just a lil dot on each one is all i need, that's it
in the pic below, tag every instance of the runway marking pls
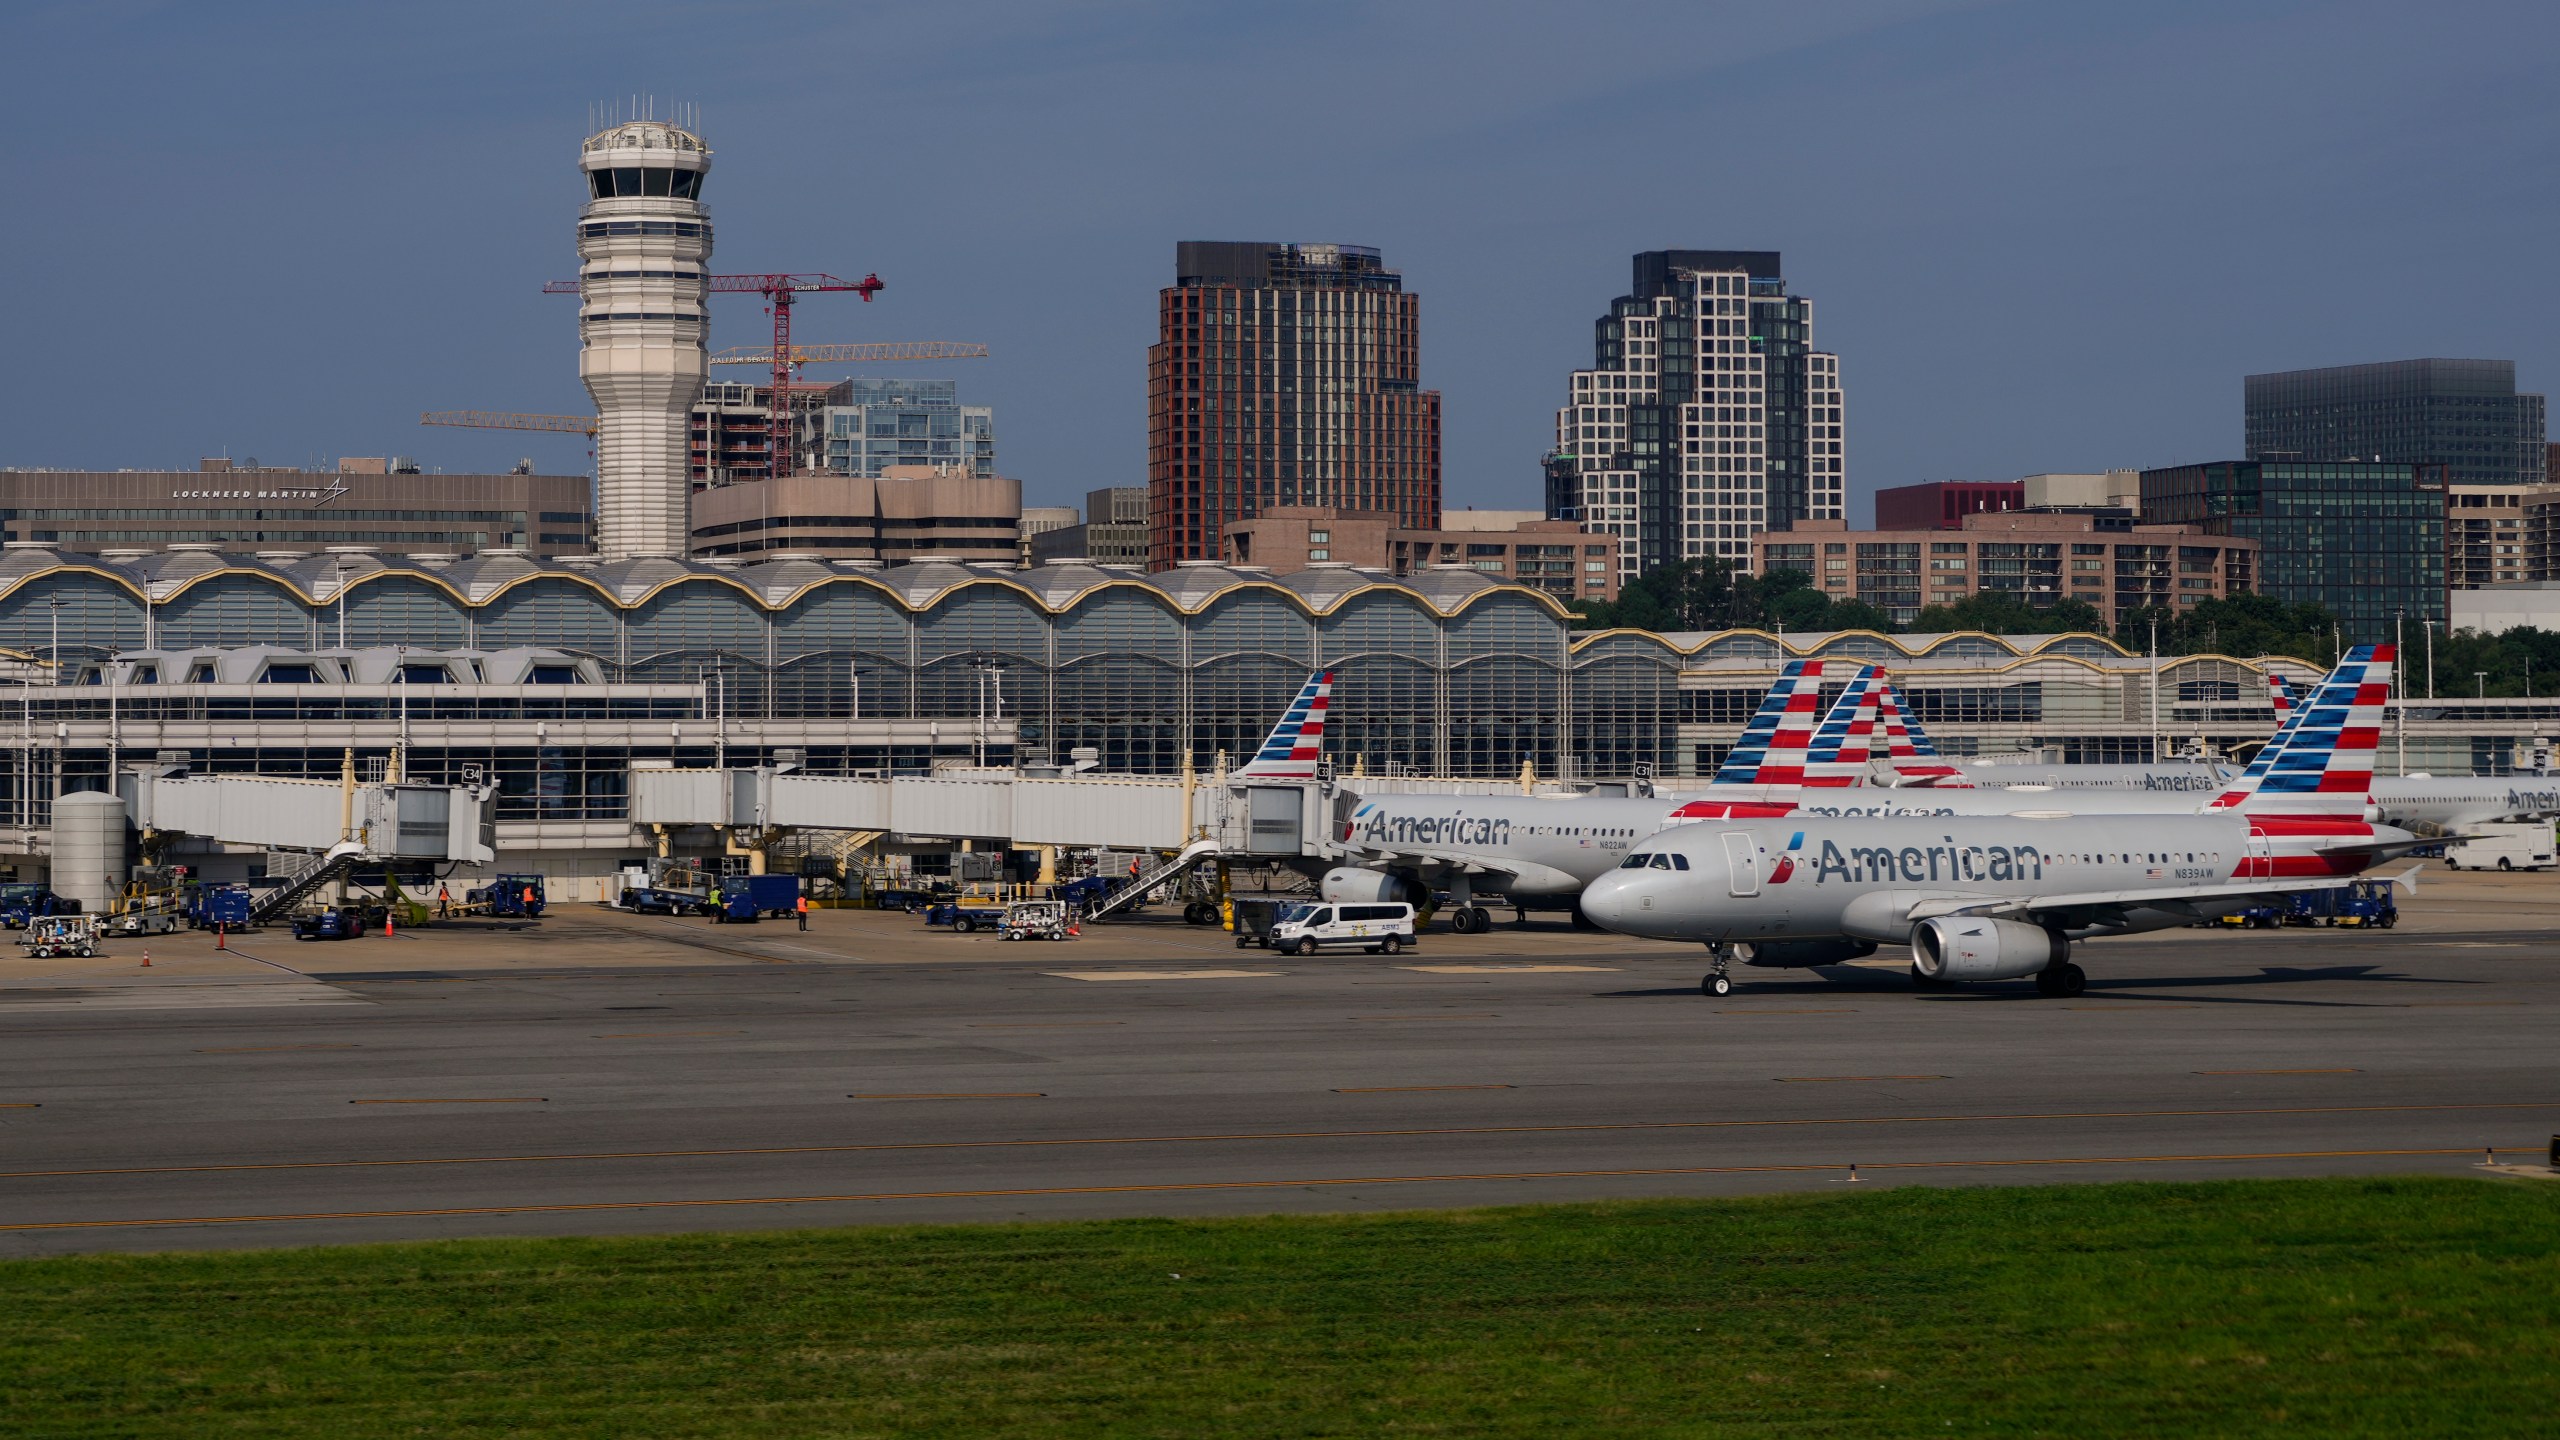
(1510, 969)
(880, 1147)
(1427, 1017)
(667, 1034)
(179, 995)
(465, 1100)
(2325, 1070)
(23, 1105)
(2142, 1009)
(266, 1049)
(1042, 1024)
(1200, 1186)
(2450, 1004)
(1402, 1089)
(1786, 1012)
(1163, 974)
(962, 1095)
(1837, 1079)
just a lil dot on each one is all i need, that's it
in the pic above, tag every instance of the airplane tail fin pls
(1773, 746)
(1908, 755)
(1844, 740)
(2280, 691)
(2321, 761)
(1297, 741)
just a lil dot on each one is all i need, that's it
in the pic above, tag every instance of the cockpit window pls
(1637, 861)
(1662, 862)
(1679, 861)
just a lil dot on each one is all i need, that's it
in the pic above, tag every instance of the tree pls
(1691, 595)
(2002, 612)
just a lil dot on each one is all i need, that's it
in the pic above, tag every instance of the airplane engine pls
(1960, 947)
(1356, 886)
(1798, 954)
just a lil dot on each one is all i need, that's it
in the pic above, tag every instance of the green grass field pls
(2387, 1307)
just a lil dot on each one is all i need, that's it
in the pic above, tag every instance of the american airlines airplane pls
(1544, 848)
(2002, 897)
(2429, 804)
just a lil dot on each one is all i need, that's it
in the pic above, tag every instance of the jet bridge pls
(384, 821)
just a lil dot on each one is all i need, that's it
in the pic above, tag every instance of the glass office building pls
(2364, 540)
(2462, 414)
(873, 424)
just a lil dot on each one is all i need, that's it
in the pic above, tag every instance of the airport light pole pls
(2431, 656)
(2154, 707)
(2400, 699)
(2480, 680)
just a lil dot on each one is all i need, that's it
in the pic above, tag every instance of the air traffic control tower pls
(644, 243)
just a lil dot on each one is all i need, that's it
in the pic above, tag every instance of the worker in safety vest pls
(803, 907)
(718, 911)
(528, 899)
(444, 901)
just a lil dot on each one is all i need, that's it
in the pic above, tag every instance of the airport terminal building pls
(558, 678)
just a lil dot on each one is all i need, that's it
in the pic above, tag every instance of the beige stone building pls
(909, 512)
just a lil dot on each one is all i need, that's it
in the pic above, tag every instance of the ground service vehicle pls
(51, 936)
(220, 907)
(2504, 845)
(506, 895)
(745, 899)
(2366, 904)
(965, 915)
(1381, 928)
(2251, 917)
(1034, 920)
(335, 923)
(20, 904)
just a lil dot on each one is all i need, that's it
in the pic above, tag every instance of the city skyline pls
(206, 224)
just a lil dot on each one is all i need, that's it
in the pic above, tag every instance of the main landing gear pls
(1717, 983)
(1470, 920)
(2061, 980)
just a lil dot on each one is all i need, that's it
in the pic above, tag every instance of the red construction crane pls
(778, 291)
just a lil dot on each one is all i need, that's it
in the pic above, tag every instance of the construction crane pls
(511, 420)
(892, 351)
(778, 292)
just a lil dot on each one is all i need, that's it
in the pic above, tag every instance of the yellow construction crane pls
(895, 351)
(510, 420)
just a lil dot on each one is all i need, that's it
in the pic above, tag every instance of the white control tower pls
(644, 244)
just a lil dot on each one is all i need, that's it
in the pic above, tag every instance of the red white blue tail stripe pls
(1838, 754)
(1298, 740)
(2280, 691)
(1772, 748)
(2321, 761)
(1907, 751)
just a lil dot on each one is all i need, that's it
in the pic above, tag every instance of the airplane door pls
(2261, 851)
(1741, 863)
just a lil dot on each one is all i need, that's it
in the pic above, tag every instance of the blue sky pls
(2042, 236)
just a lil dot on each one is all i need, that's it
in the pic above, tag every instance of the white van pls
(2505, 845)
(1381, 929)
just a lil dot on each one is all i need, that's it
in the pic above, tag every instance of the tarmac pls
(602, 1073)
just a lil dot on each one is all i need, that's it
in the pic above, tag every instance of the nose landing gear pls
(1717, 984)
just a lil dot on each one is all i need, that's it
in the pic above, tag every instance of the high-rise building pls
(2464, 415)
(1707, 416)
(2364, 539)
(1113, 531)
(1284, 375)
(644, 245)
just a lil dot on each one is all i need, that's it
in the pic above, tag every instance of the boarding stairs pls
(1151, 879)
(325, 867)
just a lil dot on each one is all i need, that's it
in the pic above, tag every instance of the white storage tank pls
(88, 849)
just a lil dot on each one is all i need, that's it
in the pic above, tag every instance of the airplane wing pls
(2097, 902)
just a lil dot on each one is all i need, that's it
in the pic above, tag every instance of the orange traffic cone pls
(146, 959)
(221, 937)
